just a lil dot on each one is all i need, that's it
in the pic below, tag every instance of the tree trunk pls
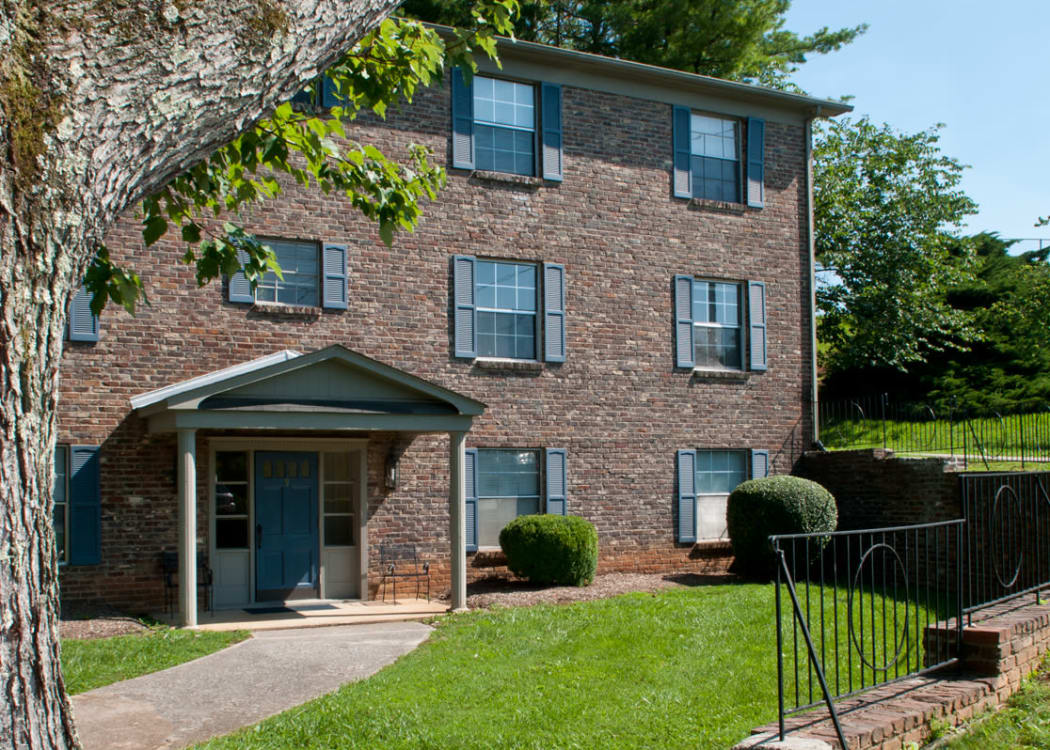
(102, 103)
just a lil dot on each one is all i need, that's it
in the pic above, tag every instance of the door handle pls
(258, 536)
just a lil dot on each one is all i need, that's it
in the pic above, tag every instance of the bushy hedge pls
(551, 549)
(775, 505)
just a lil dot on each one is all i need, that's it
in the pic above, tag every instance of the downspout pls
(814, 406)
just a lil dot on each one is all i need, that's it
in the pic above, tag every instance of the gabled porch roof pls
(328, 389)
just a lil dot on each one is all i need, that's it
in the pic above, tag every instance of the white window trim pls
(742, 304)
(319, 276)
(64, 560)
(541, 498)
(537, 314)
(320, 445)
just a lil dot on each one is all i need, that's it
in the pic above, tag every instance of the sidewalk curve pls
(243, 684)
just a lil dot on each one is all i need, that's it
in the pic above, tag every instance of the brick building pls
(607, 312)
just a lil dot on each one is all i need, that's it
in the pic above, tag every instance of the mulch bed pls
(504, 592)
(97, 621)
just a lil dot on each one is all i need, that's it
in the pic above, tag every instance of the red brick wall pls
(617, 404)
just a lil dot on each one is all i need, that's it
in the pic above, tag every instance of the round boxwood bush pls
(775, 505)
(551, 549)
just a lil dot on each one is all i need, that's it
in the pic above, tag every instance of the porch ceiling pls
(328, 389)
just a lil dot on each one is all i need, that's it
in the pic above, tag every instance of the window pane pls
(502, 102)
(61, 456)
(231, 499)
(59, 522)
(338, 498)
(719, 472)
(231, 466)
(339, 531)
(718, 347)
(299, 266)
(337, 467)
(231, 533)
(493, 515)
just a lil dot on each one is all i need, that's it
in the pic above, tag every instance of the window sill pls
(737, 375)
(279, 309)
(720, 207)
(516, 365)
(507, 178)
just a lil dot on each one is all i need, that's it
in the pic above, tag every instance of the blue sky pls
(980, 68)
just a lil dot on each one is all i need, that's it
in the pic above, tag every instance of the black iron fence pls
(1006, 553)
(986, 439)
(862, 607)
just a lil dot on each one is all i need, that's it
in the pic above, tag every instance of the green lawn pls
(687, 668)
(1011, 436)
(1023, 723)
(88, 664)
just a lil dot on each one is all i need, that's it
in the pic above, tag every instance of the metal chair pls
(398, 561)
(170, 568)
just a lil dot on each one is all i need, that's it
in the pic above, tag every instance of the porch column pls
(187, 527)
(457, 517)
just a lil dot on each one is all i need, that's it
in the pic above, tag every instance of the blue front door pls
(285, 525)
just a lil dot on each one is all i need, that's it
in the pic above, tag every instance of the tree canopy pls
(885, 204)
(311, 144)
(742, 41)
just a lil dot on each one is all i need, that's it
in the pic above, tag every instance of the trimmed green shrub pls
(551, 549)
(775, 505)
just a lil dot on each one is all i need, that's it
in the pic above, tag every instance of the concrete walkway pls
(273, 671)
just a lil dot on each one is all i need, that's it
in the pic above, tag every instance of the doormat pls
(280, 610)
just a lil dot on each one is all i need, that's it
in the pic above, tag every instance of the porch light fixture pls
(390, 471)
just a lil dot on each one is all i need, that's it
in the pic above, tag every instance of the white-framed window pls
(714, 161)
(504, 126)
(508, 486)
(299, 262)
(60, 514)
(231, 500)
(506, 295)
(718, 472)
(718, 323)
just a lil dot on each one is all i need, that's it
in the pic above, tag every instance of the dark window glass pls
(338, 531)
(231, 533)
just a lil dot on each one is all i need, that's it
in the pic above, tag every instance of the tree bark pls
(102, 103)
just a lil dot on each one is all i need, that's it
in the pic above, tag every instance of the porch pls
(320, 613)
(285, 440)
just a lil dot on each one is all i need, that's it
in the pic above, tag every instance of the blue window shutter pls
(240, 290)
(686, 496)
(465, 314)
(329, 97)
(759, 464)
(552, 141)
(557, 485)
(756, 170)
(684, 348)
(683, 187)
(470, 479)
(756, 316)
(553, 312)
(81, 324)
(334, 295)
(462, 121)
(85, 506)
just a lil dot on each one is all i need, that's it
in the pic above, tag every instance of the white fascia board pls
(162, 394)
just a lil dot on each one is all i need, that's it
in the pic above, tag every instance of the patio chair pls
(401, 561)
(170, 568)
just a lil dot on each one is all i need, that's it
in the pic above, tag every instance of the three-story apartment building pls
(607, 312)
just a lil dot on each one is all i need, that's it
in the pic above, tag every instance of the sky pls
(981, 68)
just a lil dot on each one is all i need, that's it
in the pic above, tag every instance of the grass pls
(686, 668)
(1009, 437)
(89, 664)
(1023, 723)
